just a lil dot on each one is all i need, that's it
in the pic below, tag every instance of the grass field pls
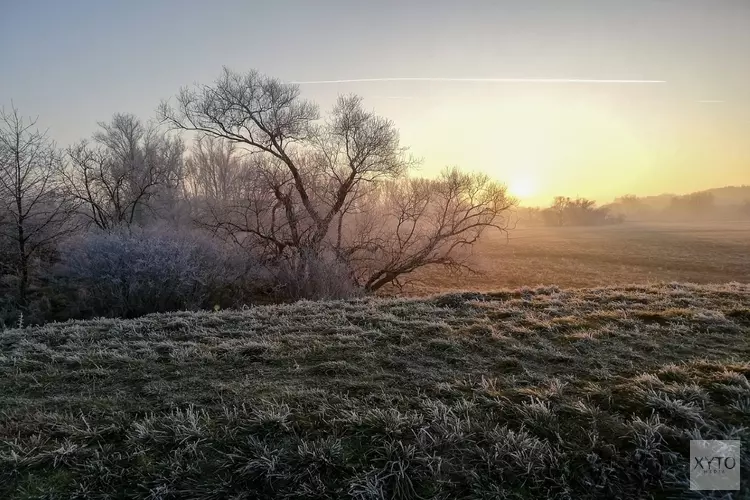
(708, 252)
(534, 393)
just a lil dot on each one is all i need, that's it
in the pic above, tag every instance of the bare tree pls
(310, 167)
(557, 210)
(119, 178)
(34, 211)
(214, 170)
(307, 182)
(419, 222)
(582, 211)
(566, 211)
(629, 201)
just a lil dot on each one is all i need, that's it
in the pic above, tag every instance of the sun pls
(522, 187)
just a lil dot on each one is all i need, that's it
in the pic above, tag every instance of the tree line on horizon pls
(268, 200)
(566, 211)
(697, 206)
(700, 205)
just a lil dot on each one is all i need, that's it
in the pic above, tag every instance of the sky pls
(590, 98)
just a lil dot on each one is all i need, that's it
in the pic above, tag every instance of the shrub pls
(134, 271)
(130, 272)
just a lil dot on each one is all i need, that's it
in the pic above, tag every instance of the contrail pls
(392, 97)
(475, 80)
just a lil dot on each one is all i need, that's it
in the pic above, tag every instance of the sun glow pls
(522, 187)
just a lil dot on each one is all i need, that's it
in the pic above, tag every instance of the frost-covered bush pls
(133, 271)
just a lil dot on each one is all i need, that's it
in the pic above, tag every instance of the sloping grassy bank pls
(531, 393)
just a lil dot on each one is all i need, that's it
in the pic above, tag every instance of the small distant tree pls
(580, 211)
(34, 213)
(629, 201)
(126, 173)
(556, 211)
(565, 211)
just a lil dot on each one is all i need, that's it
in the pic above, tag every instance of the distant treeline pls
(730, 203)
(566, 211)
(724, 203)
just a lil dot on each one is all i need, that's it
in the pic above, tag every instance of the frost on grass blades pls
(540, 392)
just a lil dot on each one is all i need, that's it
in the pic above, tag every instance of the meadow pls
(633, 252)
(540, 392)
(319, 285)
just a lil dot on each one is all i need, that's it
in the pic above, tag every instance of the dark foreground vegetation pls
(533, 393)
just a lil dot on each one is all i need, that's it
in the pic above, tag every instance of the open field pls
(708, 252)
(536, 393)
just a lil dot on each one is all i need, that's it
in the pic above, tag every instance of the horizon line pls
(475, 80)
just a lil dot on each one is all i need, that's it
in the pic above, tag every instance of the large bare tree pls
(128, 172)
(306, 163)
(34, 213)
(308, 181)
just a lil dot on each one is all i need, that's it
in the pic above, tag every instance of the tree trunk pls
(23, 283)
(375, 283)
(22, 256)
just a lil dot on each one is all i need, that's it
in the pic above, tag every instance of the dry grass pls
(534, 393)
(715, 252)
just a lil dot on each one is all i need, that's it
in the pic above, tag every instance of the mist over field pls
(382, 250)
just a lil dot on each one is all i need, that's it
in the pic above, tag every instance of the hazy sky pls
(74, 63)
